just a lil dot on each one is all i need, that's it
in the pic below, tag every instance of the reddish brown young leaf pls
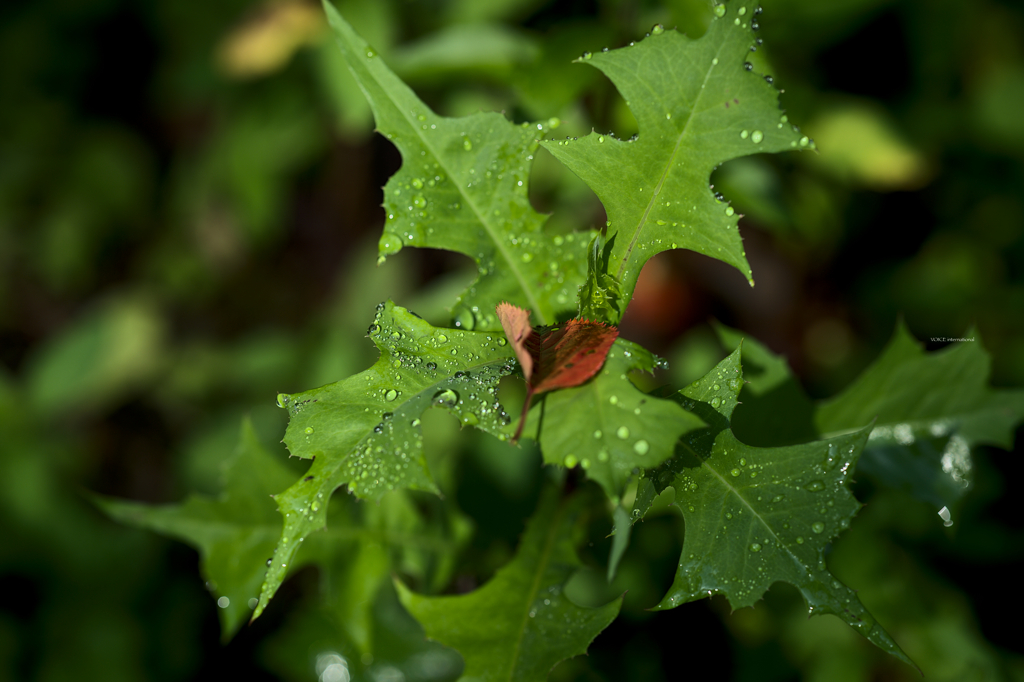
(569, 355)
(516, 323)
(554, 357)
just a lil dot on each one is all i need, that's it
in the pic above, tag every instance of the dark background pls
(189, 206)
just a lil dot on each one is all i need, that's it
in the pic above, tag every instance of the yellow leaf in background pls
(263, 42)
(861, 145)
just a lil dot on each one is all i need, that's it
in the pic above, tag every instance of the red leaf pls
(516, 323)
(555, 357)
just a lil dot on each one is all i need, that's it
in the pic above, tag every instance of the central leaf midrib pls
(542, 563)
(499, 244)
(753, 511)
(664, 175)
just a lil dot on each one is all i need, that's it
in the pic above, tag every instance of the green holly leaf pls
(755, 516)
(520, 624)
(696, 106)
(364, 432)
(929, 410)
(775, 409)
(608, 426)
(234, 533)
(463, 187)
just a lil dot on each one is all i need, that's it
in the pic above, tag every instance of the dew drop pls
(735, 472)
(309, 430)
(570, 461)
(815, 486)
(756, 137)
(464, 319)
(641, 447)
(466, 144)
(799, 540)
(818, 526)
(719, 10)
(389, 244)
(744, 134)
(755, 547)
(622, 432)
(715, 402)
(613, 400)
(446, 397)
(391, 395)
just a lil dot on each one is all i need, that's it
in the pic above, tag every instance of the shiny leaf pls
(463, 187)
(608, 426)
(364, 432)
(755, 516)
(697, 106)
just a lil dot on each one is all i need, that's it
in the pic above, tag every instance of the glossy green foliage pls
(929, 411)
(364, 432)
(182, 247)
(463, 186)
(697, 106)
(520, 624)
(755, 516)
(608, 426)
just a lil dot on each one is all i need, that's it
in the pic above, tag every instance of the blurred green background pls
(189, 207)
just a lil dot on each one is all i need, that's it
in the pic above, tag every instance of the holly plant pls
(758, 508)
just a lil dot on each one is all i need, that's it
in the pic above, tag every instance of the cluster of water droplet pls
(420, 367)
(627, 438)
